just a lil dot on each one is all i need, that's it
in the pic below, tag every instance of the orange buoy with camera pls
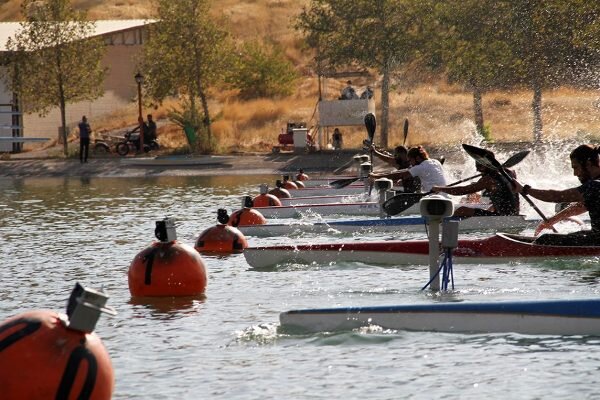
(265, 199)
(50, 355)
(247, 215)
(221, 238)
(287, 184)
(301, 175)
(167, 267)
(279, 191)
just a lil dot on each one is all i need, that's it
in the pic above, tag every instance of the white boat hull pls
(367, 208)
(400, 224)
(362, 208)
(540, 317)
(328, 191)
(332, 199)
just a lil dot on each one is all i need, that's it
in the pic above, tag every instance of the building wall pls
(119, 86)
(5, 116)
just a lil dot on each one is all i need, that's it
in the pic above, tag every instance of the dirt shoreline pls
(247, 164)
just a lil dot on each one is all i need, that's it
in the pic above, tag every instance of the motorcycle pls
(131, 142)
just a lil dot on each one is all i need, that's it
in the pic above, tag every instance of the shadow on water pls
(169, 307)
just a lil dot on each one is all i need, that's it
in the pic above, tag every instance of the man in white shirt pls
(428, 170)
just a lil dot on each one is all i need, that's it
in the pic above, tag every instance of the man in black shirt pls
(585, 162)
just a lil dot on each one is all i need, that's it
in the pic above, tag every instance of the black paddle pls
(405, 131)
(370, 124)
(403, 201)
(484, 157)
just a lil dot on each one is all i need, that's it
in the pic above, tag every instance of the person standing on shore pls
(85, 132)
(150, 133)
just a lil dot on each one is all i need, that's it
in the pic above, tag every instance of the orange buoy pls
(266, 200)
(301, 175)
(280, 192)
(221, 238)
(287, 184)
(247, 215)
(44, 355)
(167, 268)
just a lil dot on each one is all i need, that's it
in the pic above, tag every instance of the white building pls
(124, 40)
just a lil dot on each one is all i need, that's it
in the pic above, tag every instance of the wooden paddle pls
(405, 131)
(370, 124)
(484, 157)
(403, 201)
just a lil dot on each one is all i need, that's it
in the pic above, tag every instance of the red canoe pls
(498, 249)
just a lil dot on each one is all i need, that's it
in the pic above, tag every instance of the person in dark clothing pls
(497, 187)
(150, 132)
(85, 131)
(585, 162)
(399, 160)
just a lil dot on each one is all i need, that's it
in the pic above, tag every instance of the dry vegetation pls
(438, 113)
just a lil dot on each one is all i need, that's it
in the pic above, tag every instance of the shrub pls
(263, 71)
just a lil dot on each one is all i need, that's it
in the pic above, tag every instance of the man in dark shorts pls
(586, 167)
(497, 187)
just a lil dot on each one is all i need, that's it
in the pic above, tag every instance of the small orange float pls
(287, 184)
(279, 191)
(301, 175)
(247, 215)
(221, 238)
(42, 356)
(265, 199)
(167, 267)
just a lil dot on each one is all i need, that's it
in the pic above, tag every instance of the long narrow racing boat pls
(332, 199)
(364, 208)
(536, 317)
(497, 249)
(397, 224)
(328, 191)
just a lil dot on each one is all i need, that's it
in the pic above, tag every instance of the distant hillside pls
(252, 18)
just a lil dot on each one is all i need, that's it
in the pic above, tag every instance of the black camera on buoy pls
(165, 230)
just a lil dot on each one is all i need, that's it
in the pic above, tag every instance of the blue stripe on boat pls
(588, 308)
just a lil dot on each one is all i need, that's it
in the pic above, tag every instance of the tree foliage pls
(187, 52)
(263, 71)
(377, 34)
(53, 59)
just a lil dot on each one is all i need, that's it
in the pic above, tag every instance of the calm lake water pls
(56, 232)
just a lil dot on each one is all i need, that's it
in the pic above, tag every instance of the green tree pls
(546, 37)
(473, 48)
(54, 61)
(187, 51)
(263, 71)
(377, 34)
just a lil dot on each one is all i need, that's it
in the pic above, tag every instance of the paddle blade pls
(370, 124)
(484, 157)
(342, 183)
(405, 131)
(401, 202)
(515, 159)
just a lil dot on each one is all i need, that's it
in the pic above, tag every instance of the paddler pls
(428, 170)
(586, 167)
(399, 160)
(497, 187)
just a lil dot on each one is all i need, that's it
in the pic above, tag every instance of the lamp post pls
(139, 78)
